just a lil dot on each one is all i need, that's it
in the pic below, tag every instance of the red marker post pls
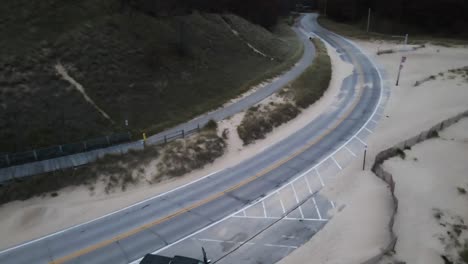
(403, 59)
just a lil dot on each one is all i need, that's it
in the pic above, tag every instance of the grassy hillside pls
(153, 71)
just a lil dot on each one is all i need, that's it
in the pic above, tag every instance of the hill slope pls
(74, 70)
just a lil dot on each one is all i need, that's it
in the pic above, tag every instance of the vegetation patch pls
(464, 253)
(299, 94)
(450, 74)
(433, 134)
(401, 153)
(258, 121)
(453, 237)
(183, 156)
(461, 190)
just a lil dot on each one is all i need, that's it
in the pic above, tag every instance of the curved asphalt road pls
(129, 234)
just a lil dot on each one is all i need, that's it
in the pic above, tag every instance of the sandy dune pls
(427, 183)
(359, 230)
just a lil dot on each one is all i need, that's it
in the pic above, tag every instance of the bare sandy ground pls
(359, 230)
(25, 220)
(430, 201)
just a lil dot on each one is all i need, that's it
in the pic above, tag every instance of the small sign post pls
(403, 59)
(364, 159)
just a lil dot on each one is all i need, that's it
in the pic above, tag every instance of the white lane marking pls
(336, 162)
(110, 214)
(364, 143)
(320, 177)
(264, 209)
(352, 153)
(282, 205)
(308, 185)
(316, 208)
(281, 246)
(223, 241)
(295, 194)
(368, 130)
(297, 200)
(277, 218)
(302, 213)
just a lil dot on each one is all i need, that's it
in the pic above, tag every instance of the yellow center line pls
(215, 196)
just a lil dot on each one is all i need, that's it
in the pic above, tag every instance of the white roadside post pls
(403, 59)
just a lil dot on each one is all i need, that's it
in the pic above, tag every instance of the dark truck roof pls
(156, 259)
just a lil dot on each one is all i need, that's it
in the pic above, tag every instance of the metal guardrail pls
(9, 160)
(48, 153)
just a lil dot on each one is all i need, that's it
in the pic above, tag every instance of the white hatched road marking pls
(223, 241)
(352, 153)
(282, 205)
(297, 200)
(241, 242)
(364, 143)
(264, 209)
(320, 177)
(316, 208)
(285, 218)
(282, 246)
(336, 162)
(368, 130)
(308, 185)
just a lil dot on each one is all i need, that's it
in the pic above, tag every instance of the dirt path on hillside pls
(64, 74)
